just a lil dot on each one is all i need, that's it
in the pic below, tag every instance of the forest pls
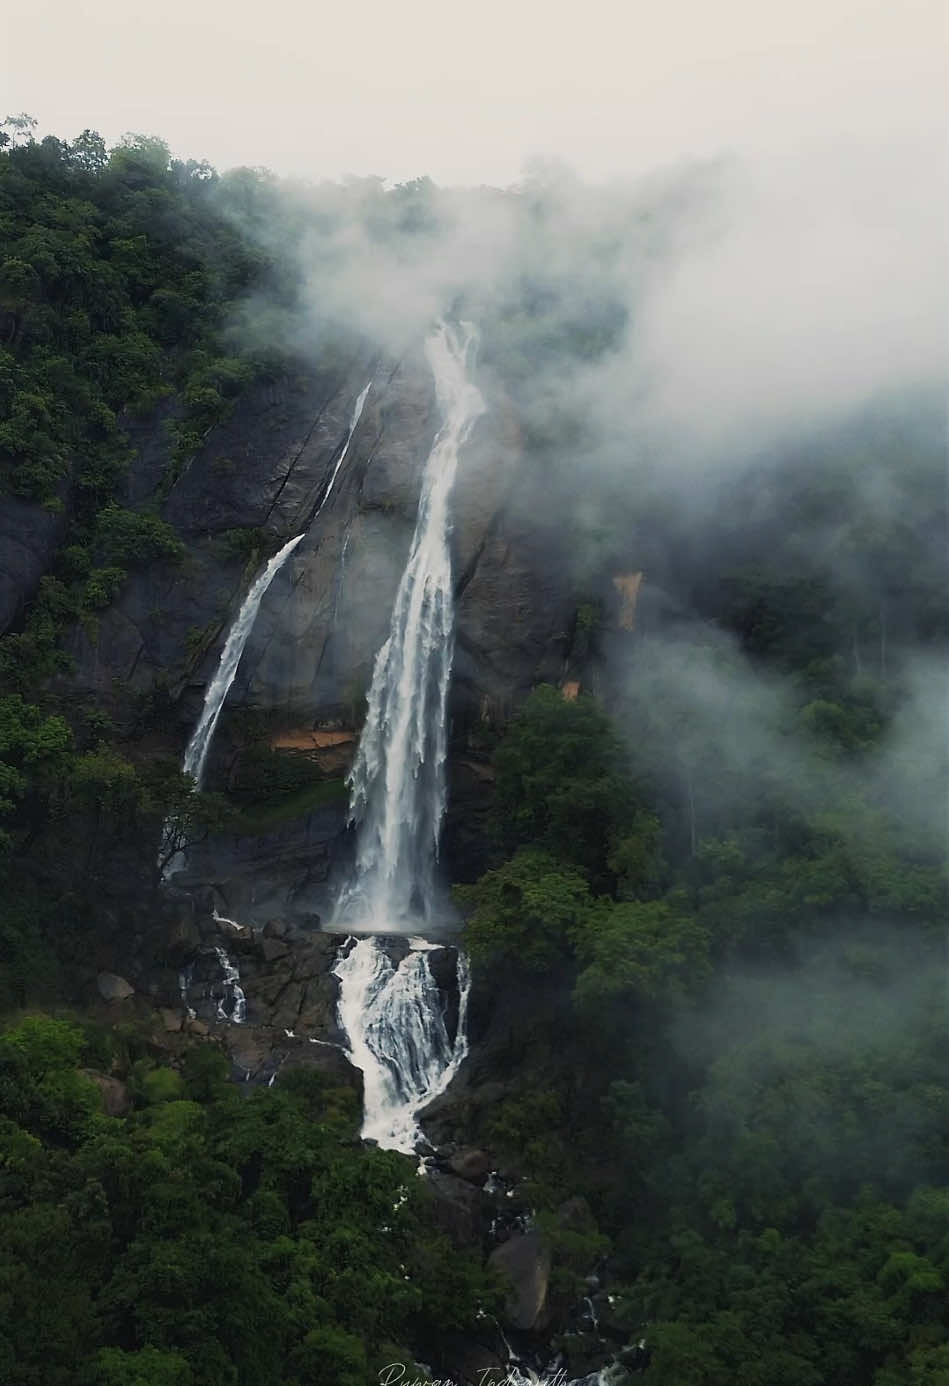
(719, 870)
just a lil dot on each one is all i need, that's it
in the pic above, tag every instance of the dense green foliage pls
(738, 879)
(119, 275)
(117, 287)
(720, 884)
(749, 1084)
(209, 1235)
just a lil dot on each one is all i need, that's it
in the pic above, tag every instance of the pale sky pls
(466, 94)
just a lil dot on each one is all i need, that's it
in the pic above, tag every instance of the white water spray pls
(397, 784)
(233, 996)
(196, 752)
(394, 1019)
(357, 415)
(393, 1016)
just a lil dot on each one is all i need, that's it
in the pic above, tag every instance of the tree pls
(560, 781)
(526, 912)
(18, 129)
(648, 950)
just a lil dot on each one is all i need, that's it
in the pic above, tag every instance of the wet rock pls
(271, 949)
(457, 1207)
(525, 1262)
(183, 934)
(470, 1164)
(29, 534)
(260, 1053)
(466, 843)
(278, 875)
(114, 1094)
(478, 1359)
(112, 987)
(172, 1021)
(286, 1013)
(443, 965)
(275, 928)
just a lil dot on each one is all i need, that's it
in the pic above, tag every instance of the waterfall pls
(394, 1020)
(196, 754)
(357, 415)
(233, 1005)
(397, 784)
(393, 1016)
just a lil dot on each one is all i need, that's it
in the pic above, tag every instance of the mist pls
(686, 350)
(750, 300)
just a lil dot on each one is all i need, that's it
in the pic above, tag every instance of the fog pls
(677, 349)
(467, 97)
(707, 253)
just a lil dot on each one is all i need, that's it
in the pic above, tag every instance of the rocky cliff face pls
(308, 662)
(29, 535)
(309, 658)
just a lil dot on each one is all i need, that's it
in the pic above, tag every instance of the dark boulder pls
(524, 1260)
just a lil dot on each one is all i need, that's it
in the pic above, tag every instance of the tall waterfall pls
(393, 1016)
(397, 784)
(196, 753)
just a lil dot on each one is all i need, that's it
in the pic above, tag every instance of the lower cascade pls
(393, 1015)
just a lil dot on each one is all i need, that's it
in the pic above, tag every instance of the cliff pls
(310, 655)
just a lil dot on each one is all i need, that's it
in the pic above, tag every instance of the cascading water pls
(233, 1006)
(357, 415)
(397, 784)
(196, 753)
(397, 1035)
(393, 1015)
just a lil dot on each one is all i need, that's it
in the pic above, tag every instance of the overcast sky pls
(467, 93)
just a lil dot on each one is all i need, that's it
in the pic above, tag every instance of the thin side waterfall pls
(196, 753)
(393, 1015)
(357, 415)
(233, 1006)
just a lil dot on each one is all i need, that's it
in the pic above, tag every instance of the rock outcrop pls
(29, 535)
(114, 1094)
(114, 988)
(309, 659)
(524, 1261)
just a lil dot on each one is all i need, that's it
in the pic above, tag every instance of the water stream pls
(233, 1007)
(392, 1014)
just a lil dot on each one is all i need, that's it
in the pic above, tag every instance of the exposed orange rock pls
(310, 740)
(571, 690)
(627, 585)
